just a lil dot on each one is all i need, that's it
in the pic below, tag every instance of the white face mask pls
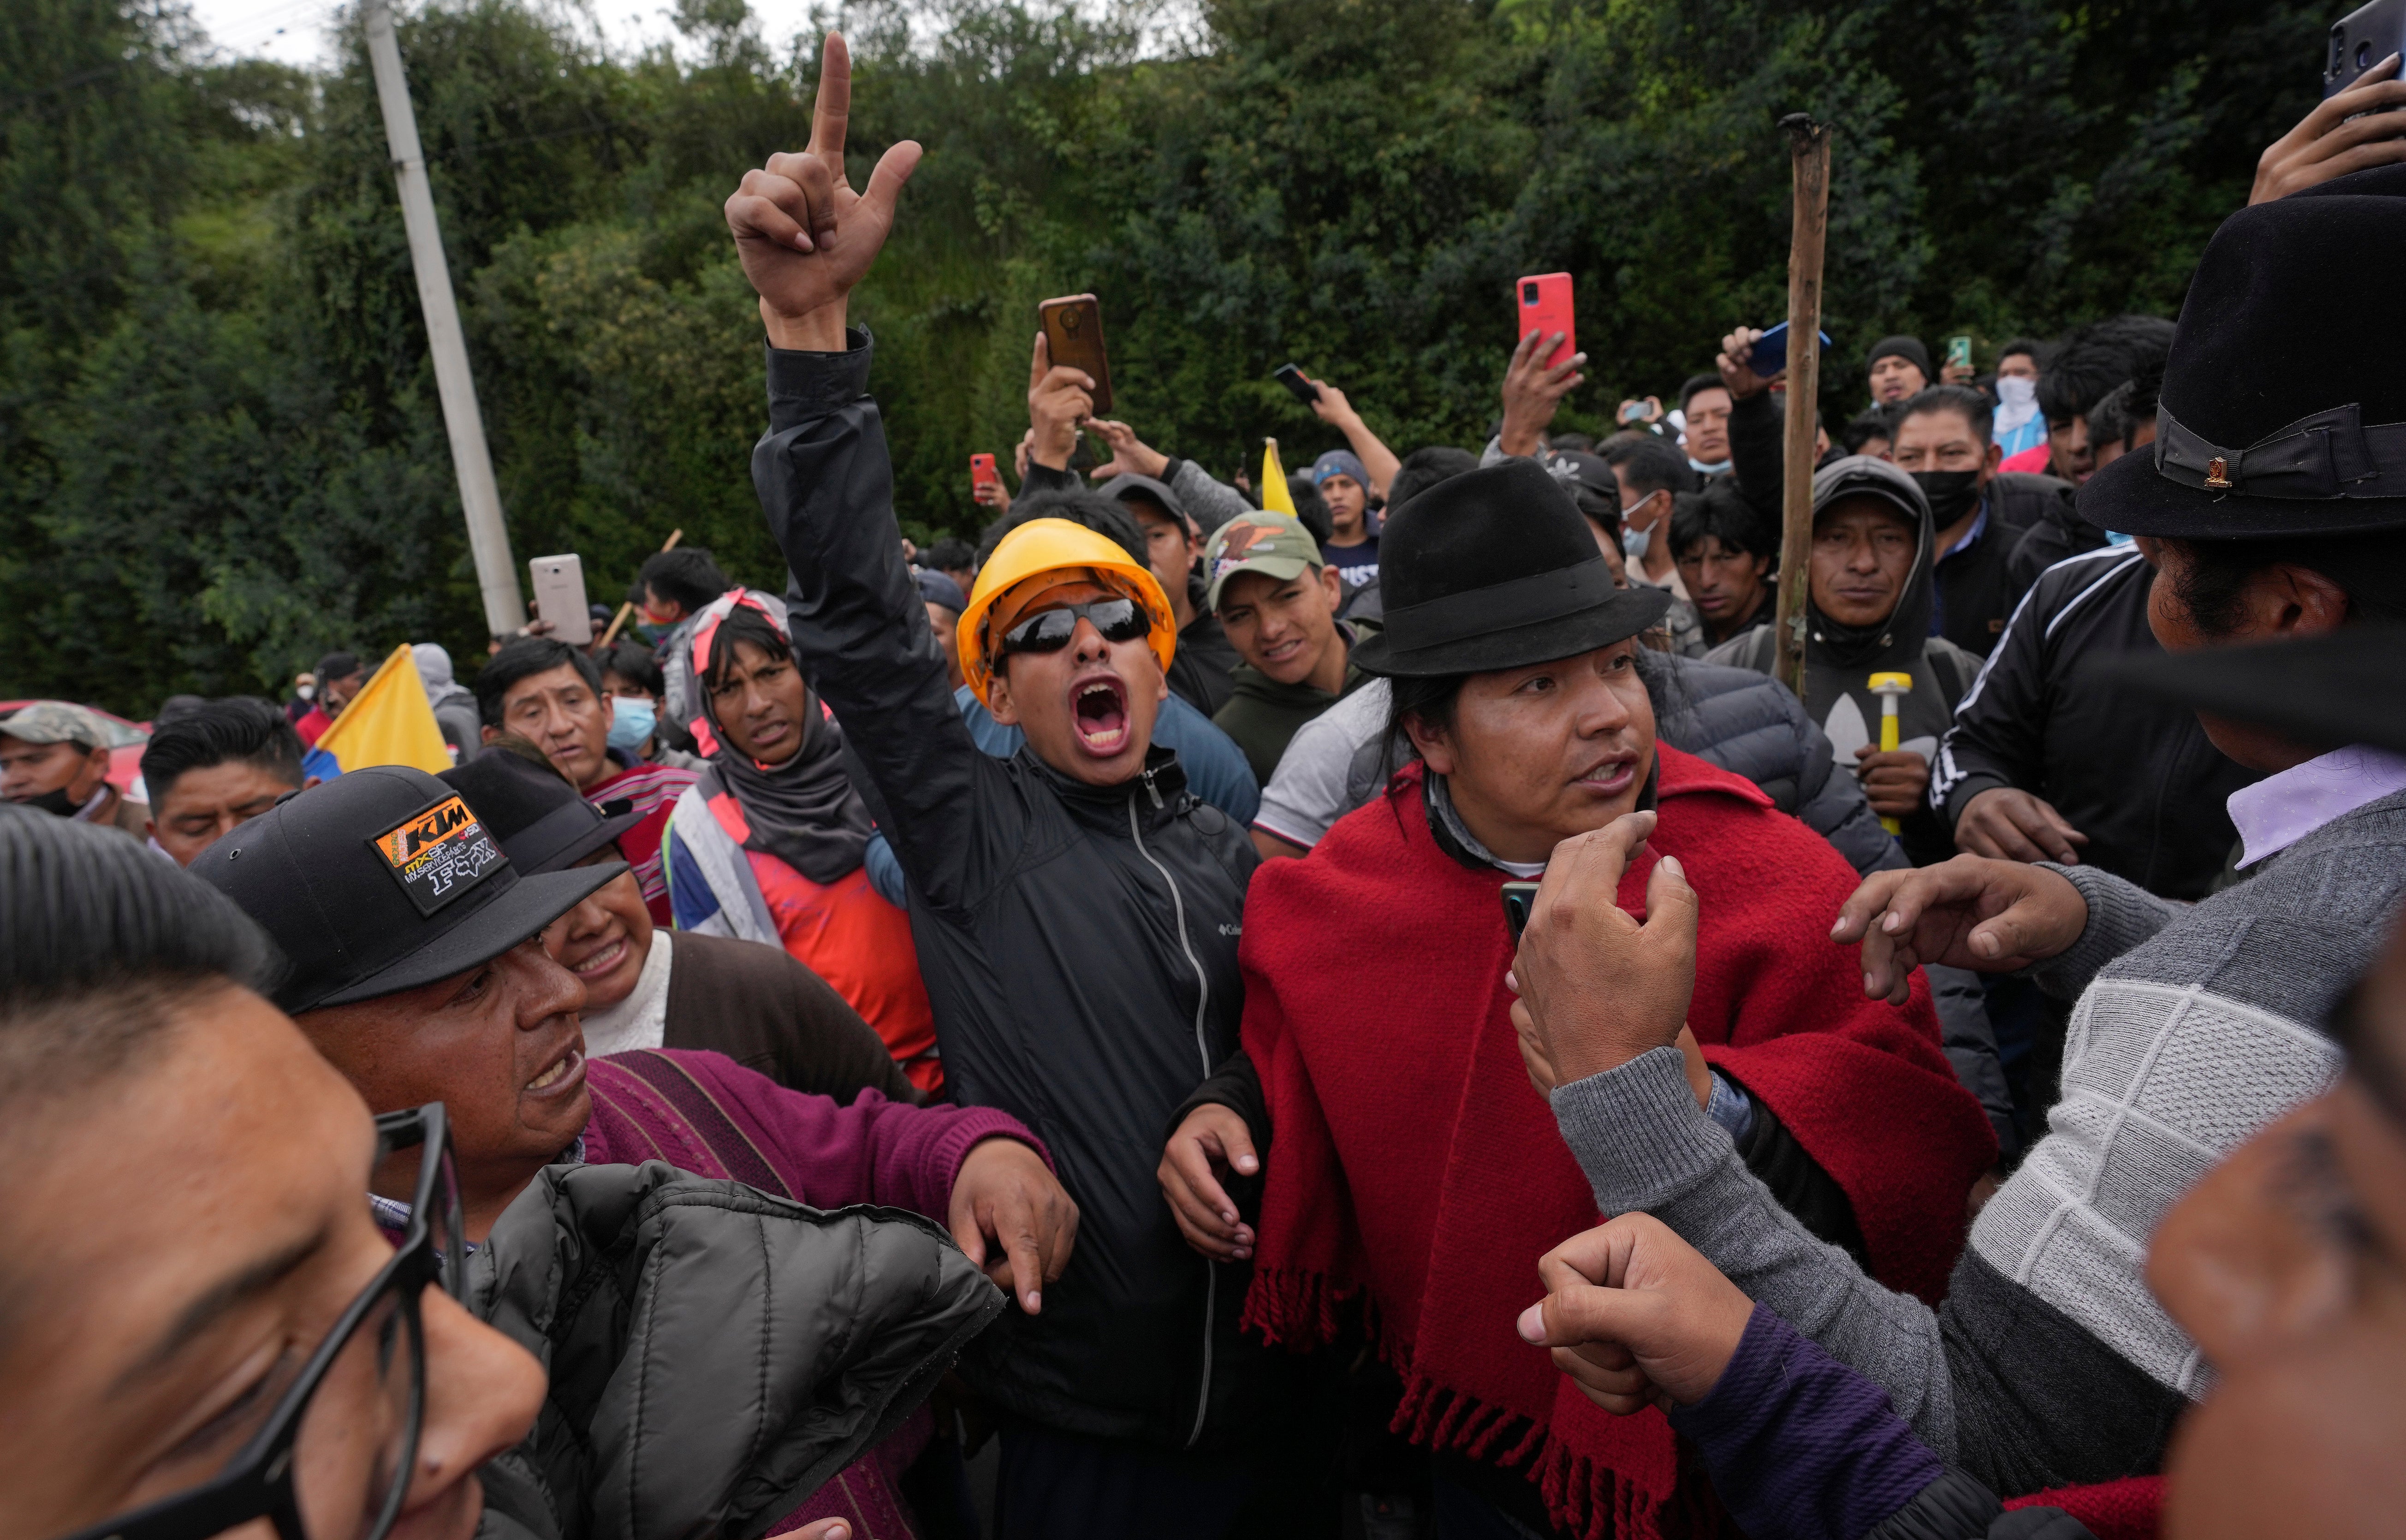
(2013, 390)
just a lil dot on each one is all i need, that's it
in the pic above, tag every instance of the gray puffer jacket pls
(715, 1354)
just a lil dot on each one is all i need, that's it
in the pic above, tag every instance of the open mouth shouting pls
(1099, 710)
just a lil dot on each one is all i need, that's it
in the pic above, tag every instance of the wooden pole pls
(629, 607)
(1808, 148)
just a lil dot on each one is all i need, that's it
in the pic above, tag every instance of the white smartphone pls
(559, 598)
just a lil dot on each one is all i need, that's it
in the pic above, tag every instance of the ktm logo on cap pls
(427, 829)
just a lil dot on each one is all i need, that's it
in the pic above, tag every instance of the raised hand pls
(1600, 988)
(1735, 362)
(1059, 400)
(804, 235)
(1989, 916)
(1130, 455)
(1533, 392)
(2356, 129)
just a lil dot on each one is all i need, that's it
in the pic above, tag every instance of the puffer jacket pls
(715, 1355)
(1079, 943)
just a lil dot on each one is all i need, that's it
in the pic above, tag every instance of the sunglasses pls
(1048, 630)
(379, 1345)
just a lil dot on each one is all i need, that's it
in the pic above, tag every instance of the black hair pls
(2370, 568)
(1309, 510)
(1580, 442)
(335, 666)
(1650, 464)
(743, 624)
(1079, 505)
(2098, 358)
(2029, 347)
(687, 576)
(1974, 408)
(100, 941)
(240, 729)
(177, 706)
(1877, 422)
(637, 664)
(1424, 468)
(522, 657)
(950, 555)
(1699, 382)
(2127, 407)
(1719, 512)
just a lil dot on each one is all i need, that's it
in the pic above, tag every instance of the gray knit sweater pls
(2050, 1362)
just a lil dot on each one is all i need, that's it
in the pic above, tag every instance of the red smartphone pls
(1546, 307)
(1073, 334)
(981, 473)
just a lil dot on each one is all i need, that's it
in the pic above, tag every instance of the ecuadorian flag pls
(1275, 496)
(389, 722)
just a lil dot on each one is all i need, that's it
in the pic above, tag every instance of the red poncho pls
(1413, 1164)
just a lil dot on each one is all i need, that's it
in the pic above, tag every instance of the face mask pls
(1951, 493)
(631, 720)
(2013, 390)
(308, 692)
(1716, 468)
(54, 800)
(1634, 543)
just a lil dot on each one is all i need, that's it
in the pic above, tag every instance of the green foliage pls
(220, 449)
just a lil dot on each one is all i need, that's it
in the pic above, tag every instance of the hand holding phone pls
(1297, 386)
(1770, 354)
(558, 583)
(1073, 334)
(1546, 308)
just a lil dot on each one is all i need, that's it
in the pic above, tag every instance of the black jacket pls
(1079, 943)
(2059, 535)
(2135, 775)
(1974, 589)
(1201, 669)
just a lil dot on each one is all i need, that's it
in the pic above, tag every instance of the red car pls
(126, 741)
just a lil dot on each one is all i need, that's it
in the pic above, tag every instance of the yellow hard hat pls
(1043, 545)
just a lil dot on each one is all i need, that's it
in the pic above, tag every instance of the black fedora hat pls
(541, 821)
(2284, 410)
(380, 881)
(1495, 569)
(2331, 692)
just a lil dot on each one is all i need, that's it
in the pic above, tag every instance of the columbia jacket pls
(1079, 943)
(2044, 709)
(715, 1355)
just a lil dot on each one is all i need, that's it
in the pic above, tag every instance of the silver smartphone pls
(559, 583)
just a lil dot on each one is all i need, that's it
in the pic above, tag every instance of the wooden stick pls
(1809, 147)
(629, 607)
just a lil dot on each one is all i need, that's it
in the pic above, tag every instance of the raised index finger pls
(831, 115)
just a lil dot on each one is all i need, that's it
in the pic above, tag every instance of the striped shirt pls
(654, 790)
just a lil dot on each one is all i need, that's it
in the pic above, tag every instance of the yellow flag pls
(388, 722)
(1275, 497)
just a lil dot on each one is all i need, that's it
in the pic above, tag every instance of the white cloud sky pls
(300, 31)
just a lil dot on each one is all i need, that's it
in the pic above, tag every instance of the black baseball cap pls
(383, 879)
(539, 820)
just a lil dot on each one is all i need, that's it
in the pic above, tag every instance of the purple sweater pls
(1800, 1446)
(705, 1113)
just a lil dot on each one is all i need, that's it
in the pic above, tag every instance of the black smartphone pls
(1292, 377)
(1518, 897)
(2361, 39)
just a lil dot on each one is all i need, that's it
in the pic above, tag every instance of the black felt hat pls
(1496, 569)
(2284, 409)
(2330, 691)
(382, 880)
(541, 821)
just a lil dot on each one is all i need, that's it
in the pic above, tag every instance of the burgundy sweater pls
(704, 1114)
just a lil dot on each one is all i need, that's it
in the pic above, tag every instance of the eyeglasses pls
(298, 1470)
(1048, 630)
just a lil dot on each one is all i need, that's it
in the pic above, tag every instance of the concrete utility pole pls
(497, 574)
(1809, 147)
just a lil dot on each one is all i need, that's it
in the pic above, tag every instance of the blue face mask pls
(1634, 542)
(631, 720)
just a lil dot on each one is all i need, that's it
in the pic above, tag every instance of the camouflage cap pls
(1277, 545)
(54, 721)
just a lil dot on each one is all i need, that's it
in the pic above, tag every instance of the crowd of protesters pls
(1370, 1013)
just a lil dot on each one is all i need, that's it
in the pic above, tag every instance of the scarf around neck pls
(804, 812)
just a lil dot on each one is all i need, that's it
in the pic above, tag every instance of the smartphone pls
(1301, 388)
(1958, 352)
(2361, 39)
(559, 583)
(1073, 331)
(1770, 355)
(1518, 897)
(1546, 307)
(982, 471)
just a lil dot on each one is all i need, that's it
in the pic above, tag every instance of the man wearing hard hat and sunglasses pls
(1076, 910)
